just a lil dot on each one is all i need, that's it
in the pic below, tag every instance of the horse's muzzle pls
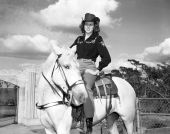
(82, 98)
(79, 95)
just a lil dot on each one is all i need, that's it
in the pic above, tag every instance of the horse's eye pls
(67, 66)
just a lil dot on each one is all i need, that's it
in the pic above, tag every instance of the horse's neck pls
(47, 94)
(46, 90)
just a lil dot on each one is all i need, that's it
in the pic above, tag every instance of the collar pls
(92, 36)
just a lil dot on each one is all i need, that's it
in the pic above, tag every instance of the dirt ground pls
(20, 129)
(96, 130)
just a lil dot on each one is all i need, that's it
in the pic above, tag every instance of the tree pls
(116, 72)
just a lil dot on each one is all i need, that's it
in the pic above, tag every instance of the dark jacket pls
(91, 48)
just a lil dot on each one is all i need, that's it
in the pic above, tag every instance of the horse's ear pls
(73, 49)
(55, 48)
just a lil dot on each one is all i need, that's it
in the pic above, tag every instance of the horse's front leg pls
(64, 126)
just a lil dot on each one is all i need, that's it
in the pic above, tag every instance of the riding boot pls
(89, 124)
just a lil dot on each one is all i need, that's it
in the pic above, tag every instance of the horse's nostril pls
(82, 98)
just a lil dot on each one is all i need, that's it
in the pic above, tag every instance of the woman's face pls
(88, 27)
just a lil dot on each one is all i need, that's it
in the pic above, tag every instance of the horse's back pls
(124, 88)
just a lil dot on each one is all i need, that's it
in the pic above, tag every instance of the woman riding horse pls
(89, 46)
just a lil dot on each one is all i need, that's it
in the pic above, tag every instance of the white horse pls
(124, 105)
(62, 73)
(59, 84)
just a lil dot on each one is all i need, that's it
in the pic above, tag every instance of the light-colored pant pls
(89, 80)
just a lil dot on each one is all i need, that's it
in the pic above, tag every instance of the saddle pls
(104, 87)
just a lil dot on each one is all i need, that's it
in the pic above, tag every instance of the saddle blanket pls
(105, 86)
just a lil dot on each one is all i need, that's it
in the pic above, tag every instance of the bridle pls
(67, 96)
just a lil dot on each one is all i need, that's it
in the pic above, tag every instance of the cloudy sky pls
(138, 29)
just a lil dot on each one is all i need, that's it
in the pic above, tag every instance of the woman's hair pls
(96, 26)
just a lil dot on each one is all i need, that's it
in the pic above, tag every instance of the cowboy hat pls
(91, 18)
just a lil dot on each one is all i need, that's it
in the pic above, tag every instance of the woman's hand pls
(97, 72)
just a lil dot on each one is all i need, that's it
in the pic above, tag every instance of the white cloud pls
(151, 56)
(25, 43)
(70, 12)
(159, 53)
(124, 63)
(121, 60)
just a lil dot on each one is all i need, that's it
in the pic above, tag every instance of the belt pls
(86, 60)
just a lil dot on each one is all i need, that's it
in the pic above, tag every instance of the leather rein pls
(67, 96)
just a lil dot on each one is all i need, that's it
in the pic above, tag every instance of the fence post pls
(138, 116)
